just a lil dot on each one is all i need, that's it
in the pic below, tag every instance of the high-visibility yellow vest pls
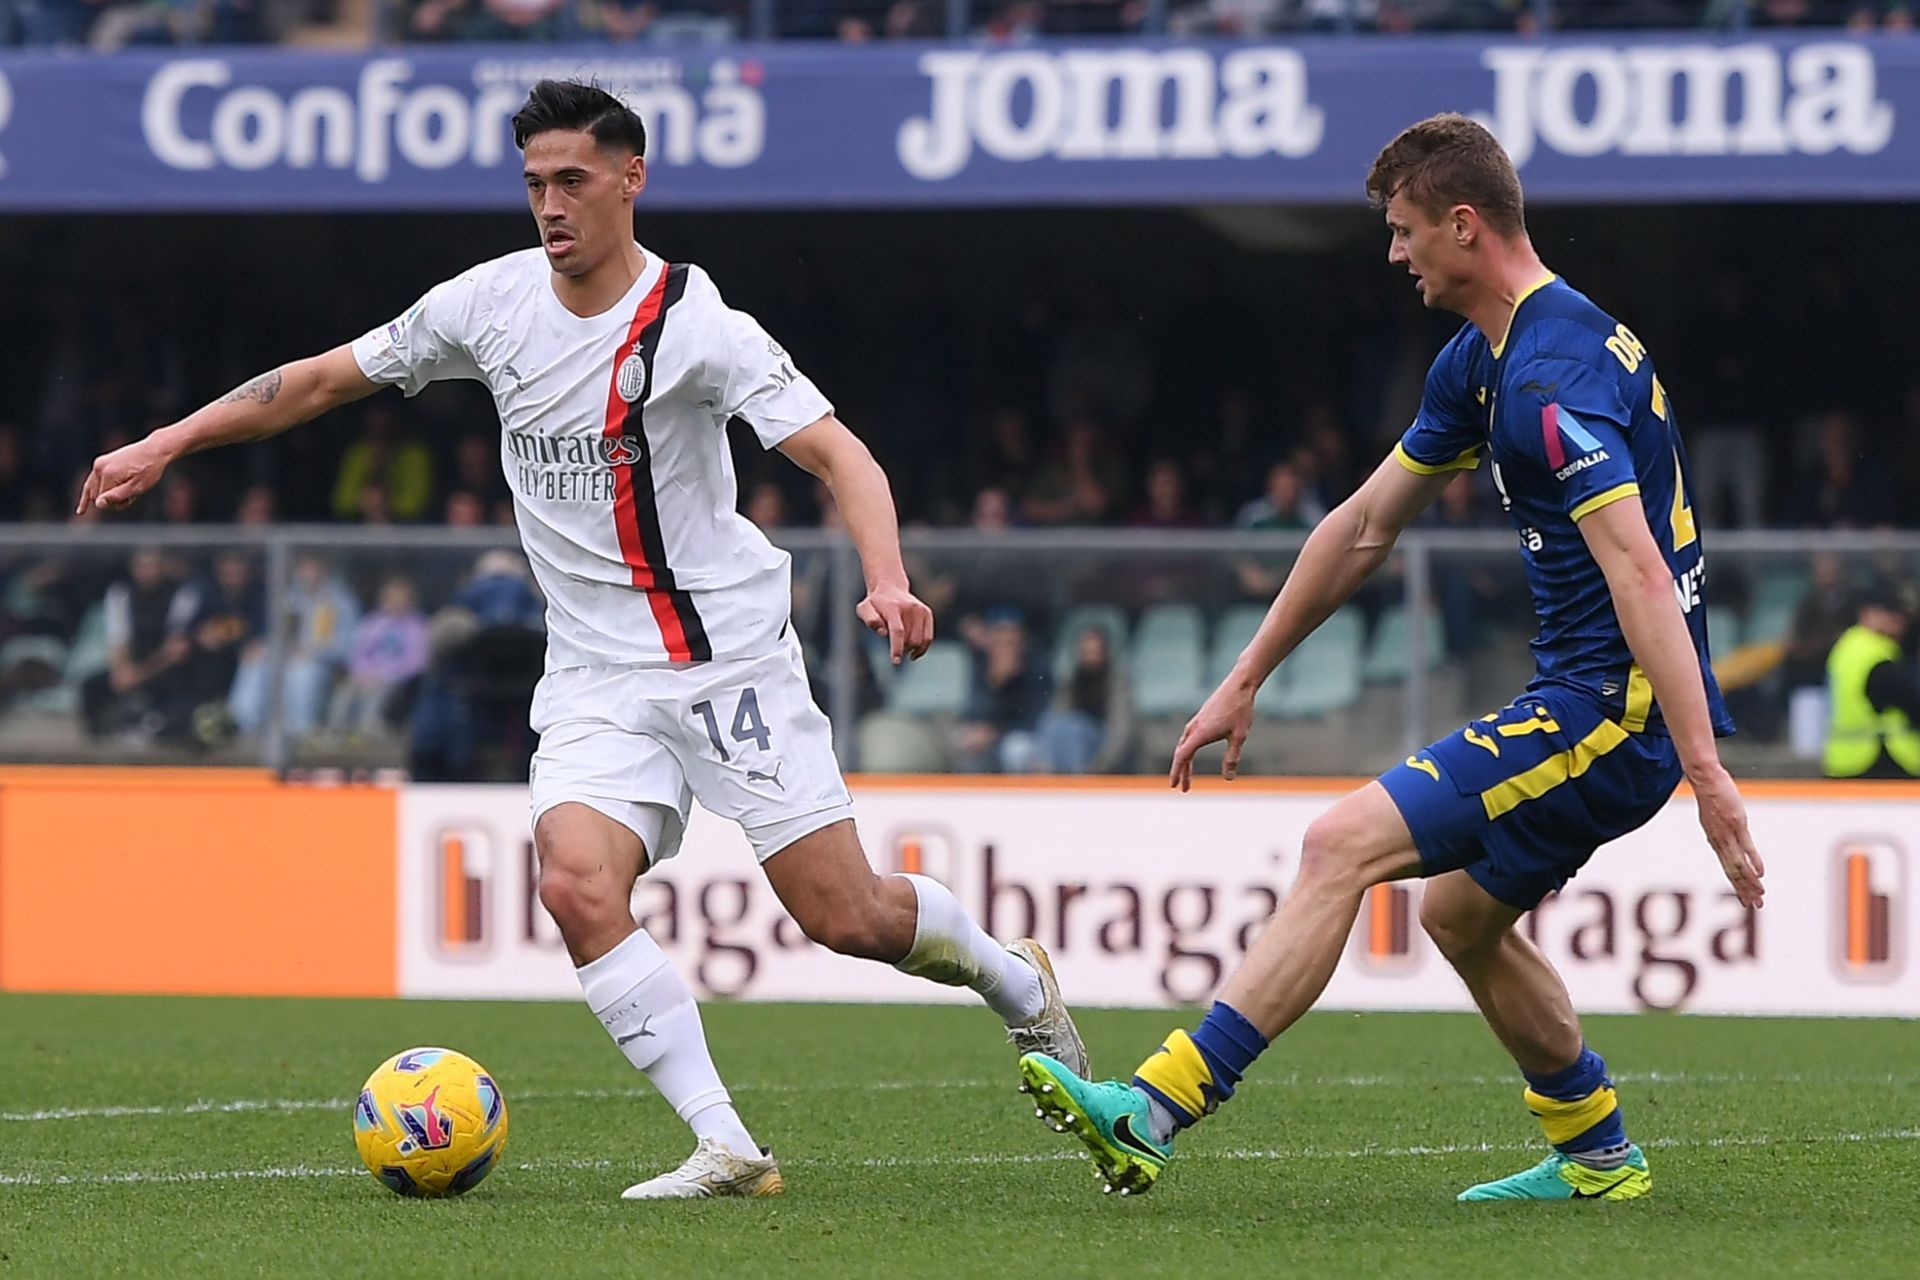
(1856, 733)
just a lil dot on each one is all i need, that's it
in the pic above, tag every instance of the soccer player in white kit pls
(672, 672)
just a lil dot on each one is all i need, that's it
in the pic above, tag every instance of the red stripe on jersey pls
(1550, 428)
(626, 517)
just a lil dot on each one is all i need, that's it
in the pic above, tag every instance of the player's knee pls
(1333, 854)
(1457, 937)
(578, 902)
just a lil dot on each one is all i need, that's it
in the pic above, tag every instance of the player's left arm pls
(841, 461)
(1656, 631)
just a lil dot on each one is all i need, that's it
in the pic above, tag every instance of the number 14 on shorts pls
(747, 724)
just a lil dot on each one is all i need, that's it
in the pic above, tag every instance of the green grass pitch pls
(213, 1137)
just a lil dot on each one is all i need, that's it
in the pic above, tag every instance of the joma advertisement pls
(1601, 119)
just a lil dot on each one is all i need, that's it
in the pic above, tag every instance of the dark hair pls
(1447, 160)
(582, 107)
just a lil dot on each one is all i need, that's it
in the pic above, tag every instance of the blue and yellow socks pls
(1579, 1112)
(1190, 1075)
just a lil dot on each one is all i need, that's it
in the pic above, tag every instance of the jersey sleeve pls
(1569, 418)
(755, 378)
(1445, 435)
(424, 345)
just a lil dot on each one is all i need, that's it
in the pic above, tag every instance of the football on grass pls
(430, 1122)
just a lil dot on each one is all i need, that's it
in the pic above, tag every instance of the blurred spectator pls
(389, 650)
(1231, 453)
(258, 506)
(1468, 586)
(1089, 727)
(180, 497)
(1097, 17)
(1839, 491)
(1008, 697)
(1873, 728)
(321, 613)
(487, 649)
(992, 510)
(766, 506)
(1166, 505)
(464, 510)
(1284, 505)
(141, 691)
(386, 458)
(1726, 451)
(225, 622)
(1001, 452)
(1081, 483)
(476, 468)
(1828, 608)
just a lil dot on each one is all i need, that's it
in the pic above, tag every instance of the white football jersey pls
(614, 440)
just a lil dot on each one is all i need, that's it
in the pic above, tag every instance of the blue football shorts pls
(1521, 798)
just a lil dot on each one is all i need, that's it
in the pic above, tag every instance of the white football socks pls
(950, 949)
(645, 1006)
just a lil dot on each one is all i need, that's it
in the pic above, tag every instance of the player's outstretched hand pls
(902, 617)
(1723, 816)
(1227, 715)
(119, 477)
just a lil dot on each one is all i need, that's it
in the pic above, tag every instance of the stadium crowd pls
(114, 24)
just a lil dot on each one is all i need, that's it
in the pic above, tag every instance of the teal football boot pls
(1110, 1117)
(1558, 1178)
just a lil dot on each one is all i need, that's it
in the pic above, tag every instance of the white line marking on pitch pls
(244, 1106)
(254, 1106)
(299, 1171)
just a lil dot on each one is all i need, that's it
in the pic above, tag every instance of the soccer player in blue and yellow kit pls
(1562, 403)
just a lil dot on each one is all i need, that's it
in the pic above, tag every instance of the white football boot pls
(713, 1170)
(1052, 1031)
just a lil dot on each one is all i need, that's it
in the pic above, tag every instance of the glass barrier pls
(1059, 652)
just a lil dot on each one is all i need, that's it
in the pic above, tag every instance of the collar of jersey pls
(622, 310)
(1513, 315)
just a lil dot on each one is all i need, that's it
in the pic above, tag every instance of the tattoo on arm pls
(261, 389)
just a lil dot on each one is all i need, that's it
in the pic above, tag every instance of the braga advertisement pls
(1591, 119)
(1148, 898)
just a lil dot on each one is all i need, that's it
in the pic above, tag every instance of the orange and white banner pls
(1145, 897)
(228, 882)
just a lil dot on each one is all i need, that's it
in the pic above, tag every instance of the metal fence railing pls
(359, 648)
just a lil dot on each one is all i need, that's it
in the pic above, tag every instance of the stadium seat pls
(1774, 602)
(936, 685)
(1723, 628)
(1323, 674)
(1168, 665)
(1231, 634)
(893, 743)
(1388, 659)
(1066, 636)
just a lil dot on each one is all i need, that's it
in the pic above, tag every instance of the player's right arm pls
(426, 344)
(255, 410)
(1341, 553)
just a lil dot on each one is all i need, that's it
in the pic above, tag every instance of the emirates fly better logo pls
(1869, 879)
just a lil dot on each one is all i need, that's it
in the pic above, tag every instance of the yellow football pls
(430, 1122)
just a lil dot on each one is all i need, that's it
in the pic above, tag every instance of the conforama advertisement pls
(1148, 898)
(1661, 116)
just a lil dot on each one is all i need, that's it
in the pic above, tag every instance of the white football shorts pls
(641, 743)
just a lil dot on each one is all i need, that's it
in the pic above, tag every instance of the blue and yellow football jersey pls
(1572, 417)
